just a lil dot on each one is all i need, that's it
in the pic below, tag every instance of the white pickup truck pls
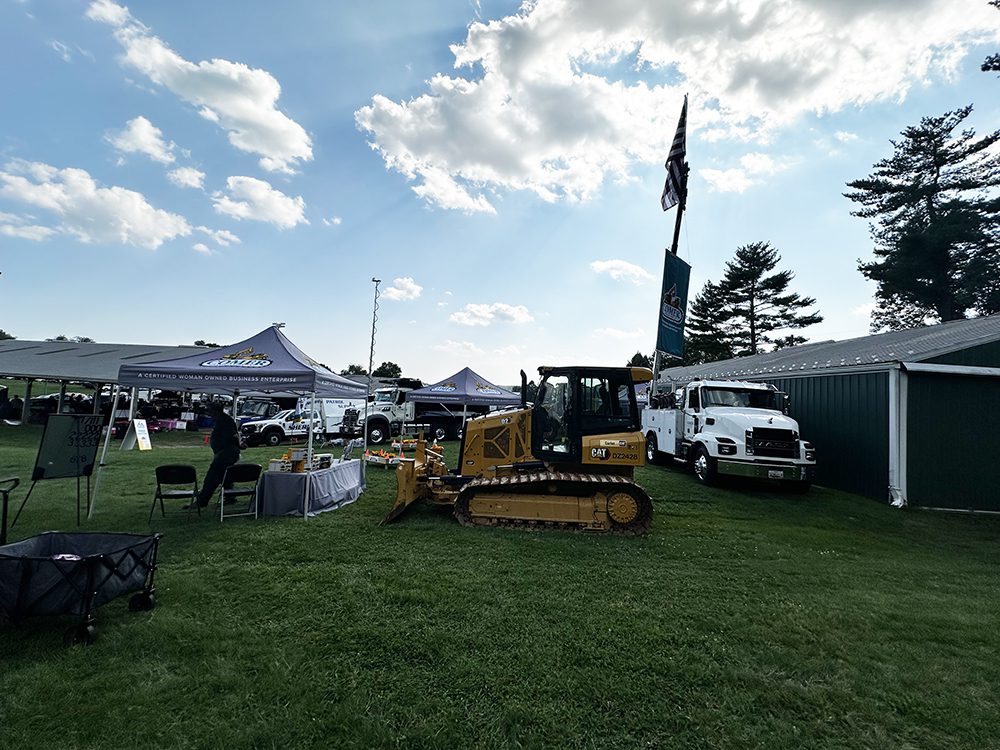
(728, 427)
(282, 426)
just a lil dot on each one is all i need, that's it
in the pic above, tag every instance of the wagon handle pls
(4, 498)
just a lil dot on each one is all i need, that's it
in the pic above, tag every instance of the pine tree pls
(708, 337)
(4, 336)
(640, 360)
(993, 61)
(757, 303)
(936, 225)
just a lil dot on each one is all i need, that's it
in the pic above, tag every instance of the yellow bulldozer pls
(565, 462)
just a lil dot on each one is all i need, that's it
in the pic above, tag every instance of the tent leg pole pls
(104, 453)
(309, 459)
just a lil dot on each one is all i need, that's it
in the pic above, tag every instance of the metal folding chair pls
(175, 475)
(241, 479)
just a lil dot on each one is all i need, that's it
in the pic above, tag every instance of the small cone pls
(205, 441)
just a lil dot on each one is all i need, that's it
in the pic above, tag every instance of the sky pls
(179, 171)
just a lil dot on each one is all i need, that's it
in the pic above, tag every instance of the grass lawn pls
(747, 618)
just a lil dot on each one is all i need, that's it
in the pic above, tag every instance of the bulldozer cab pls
(574, 402)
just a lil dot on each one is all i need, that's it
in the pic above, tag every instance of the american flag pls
(673, 189)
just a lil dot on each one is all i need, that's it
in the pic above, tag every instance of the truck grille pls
(350, 422)
(765, 441)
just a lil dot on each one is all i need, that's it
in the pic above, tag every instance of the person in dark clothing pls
(225, 442)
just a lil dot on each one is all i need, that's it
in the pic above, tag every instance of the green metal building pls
(910, 417)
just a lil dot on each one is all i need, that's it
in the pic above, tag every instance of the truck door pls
(692, 407)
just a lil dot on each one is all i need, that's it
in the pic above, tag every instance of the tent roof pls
(87, 362)
(265, 363)
(464, 387)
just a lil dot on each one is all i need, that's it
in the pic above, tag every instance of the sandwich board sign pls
(138, 432)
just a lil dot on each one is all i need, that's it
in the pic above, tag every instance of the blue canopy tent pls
(265, 363)
(467, 388)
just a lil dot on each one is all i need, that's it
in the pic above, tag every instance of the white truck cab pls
(282, 426)
(728, 427)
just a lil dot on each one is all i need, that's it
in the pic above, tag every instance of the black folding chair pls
(11, 483)
(176, 475)
(241, 481)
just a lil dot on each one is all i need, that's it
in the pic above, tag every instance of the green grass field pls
(748, 618)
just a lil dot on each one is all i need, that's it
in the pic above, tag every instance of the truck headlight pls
(727, 446)
(810, 452)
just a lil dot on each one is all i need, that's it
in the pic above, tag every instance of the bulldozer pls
(564, 462)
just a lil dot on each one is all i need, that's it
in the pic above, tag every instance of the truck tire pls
(273, 438)
(652, 450)
(439, 432)
(704, 466)
(377, 434)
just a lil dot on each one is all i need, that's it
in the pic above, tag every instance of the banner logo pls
(448, 387)
(487, 390)
(244, 358)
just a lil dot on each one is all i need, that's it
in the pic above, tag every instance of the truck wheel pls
(440, 433)
(376, 434)
(652, 452)
(704, 466)
(272, 438)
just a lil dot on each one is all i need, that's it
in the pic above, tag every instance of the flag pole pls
(678, 151)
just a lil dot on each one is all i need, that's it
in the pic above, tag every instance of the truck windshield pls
(383, 397)
(255, 408)
(740, 398)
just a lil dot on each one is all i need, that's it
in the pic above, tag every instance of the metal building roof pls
(875, 352)
(68, 360)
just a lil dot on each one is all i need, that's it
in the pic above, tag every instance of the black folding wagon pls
(58, 573)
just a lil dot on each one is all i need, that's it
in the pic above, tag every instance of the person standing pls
(225, 443)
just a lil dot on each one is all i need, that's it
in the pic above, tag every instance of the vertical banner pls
(673, 306)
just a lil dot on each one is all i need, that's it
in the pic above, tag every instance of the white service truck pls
(728, 427)
(331, 412)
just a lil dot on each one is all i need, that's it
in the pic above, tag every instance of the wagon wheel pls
(85, 634)
(141, 602)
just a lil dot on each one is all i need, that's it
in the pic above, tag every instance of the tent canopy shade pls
(465, 387)
(265, 363)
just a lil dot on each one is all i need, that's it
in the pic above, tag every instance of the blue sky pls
(189, 170)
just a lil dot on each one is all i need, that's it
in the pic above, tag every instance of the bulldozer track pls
(555, 484)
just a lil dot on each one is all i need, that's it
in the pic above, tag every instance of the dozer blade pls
(407, 490)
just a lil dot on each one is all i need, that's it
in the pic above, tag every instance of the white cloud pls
(240, 99)
(250, 198)
(333, 221)
(62, 50)
(404, 288)
(484, 315)
(617, 333)
(27, 231)
(543, 107)
(508, 351)
(221, 237)
(864, 310)
(620, 269)
(91, 213)
(844, 137)
(187, 177)
(202, 248)
(753, 168)
(458, 347)
(142, 137)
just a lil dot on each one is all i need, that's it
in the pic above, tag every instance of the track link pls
(626, 494)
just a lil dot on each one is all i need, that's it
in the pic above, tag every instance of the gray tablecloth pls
(280, 493)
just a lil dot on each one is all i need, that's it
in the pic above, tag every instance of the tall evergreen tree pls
(757, 303)
(707, 338)
(936, 224)
(4, 336)
(993, 61)
(640, 360)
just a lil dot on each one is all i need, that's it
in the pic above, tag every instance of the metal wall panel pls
(953, 441)
(984, 355)
(846, 417)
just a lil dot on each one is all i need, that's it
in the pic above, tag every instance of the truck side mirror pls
(786, 404)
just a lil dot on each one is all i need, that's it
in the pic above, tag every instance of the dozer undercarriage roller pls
(551, 499)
